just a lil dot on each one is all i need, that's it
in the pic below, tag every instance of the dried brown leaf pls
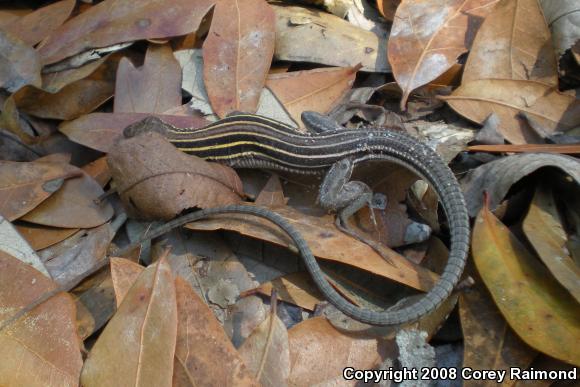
(326, 242)
(37, 25)
(387, 8)
(204, 355)
(427, 38)
(272, 194)
(319, 352)
(40, 237)
(545, 231)
(155, 180)
(42, 345)
(72, 101)
(308, 35)
(101, 130)
(317, 90)
(98, 170)
(73, 206)
(137, 346)
(116, 21)
(154, 87)
(537, 308)
(266, 351)
(19, 64)
(514, 42)
(295, 288)
(552, 110)
(497, 177)
(79, 254)
(490, 344)
(124, 273)
(237, 54)
(24, 185)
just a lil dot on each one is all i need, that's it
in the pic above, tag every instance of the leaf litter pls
(75, 74)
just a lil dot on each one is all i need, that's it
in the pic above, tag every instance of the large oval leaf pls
(537, 308)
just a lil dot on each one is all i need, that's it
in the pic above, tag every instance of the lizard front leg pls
(345, 197)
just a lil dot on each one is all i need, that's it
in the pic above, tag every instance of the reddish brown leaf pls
(428, 37)
(73, 206)
(19, 64)
(40, 237)
(124, 273)
(153, 88)
(204, 355)
(23, 186)
(552, 110)
(136, 347)
(157, 181)
(514, 42)
(117, 21)
(316, 90)
(101, 130)
(237, 54)
(37, 25)
(42, 345)
(326, 242)
(77, 99)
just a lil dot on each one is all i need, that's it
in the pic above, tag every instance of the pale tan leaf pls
(513, 43)
(137, 346)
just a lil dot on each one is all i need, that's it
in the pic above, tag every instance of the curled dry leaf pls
(305, 35)
(326, 242)
(101, 130)
(564, 149)
(19, 64)
(514, 42)
(75, 205)
(387, 8)
(543, 228)
(428, 37)
(266, 351)
(489, 341)
(563, 17)
(204, 355)
(554, 111)
(154, 87)
(237, 54)
(317, 90)
(272, 195)
(37, 25)
(24, 185)
(42, 345)
(155, 180)
(116, 21)
(497, 177)
(136, 347)
(534, 304)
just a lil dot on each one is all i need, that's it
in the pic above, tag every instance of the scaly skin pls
(326, 149)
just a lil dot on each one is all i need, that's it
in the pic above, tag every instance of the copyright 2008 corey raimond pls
(466, 373)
